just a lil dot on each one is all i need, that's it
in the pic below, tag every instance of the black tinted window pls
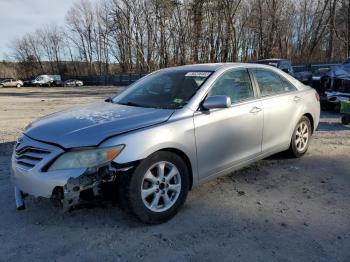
(270, 83)
(236, 84)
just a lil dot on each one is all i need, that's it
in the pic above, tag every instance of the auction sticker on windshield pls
(201, 74)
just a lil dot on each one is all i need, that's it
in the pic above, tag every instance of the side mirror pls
(285, 70)
(212, 102)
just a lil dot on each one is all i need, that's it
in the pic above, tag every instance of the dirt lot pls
(276, 210)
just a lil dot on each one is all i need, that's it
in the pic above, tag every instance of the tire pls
(300, 140)
(18, 85)
(1, 86)
(345, 120)
(137, 192)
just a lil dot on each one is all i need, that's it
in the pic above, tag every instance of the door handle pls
(297, 99)
(255, 110)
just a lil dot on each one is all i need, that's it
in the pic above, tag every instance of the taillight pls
(317, 96)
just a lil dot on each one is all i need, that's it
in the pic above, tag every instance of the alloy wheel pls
(302, 136)
(161, 186)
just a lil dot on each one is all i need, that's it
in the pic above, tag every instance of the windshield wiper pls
(133, 104)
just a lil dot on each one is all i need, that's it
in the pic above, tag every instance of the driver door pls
(229, 136)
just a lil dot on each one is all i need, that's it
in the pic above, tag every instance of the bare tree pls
(144, 35)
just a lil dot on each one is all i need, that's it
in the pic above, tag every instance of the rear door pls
(12, 82)
(281, 104)
(225, 137)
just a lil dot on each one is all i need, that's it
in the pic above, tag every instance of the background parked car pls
(11, 83)
(316, 79)
(335, 87)
(73, 82)
(47, 80)
(282, 64)
(346, 61)
(27, 82)
(286, 66)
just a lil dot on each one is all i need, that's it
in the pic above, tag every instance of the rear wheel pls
(301, 138)
(157, 189)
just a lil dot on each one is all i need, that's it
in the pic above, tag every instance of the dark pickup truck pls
(285, 65)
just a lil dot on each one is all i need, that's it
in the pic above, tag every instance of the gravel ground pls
(275, 210)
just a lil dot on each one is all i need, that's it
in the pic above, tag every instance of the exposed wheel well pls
(184, 158)
(309, 116)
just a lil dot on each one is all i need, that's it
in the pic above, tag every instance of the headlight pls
(86, 158)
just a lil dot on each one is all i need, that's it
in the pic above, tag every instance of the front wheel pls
(18, 85)
(157, 189)
(301, 138)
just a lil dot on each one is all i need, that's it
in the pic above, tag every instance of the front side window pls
(270, 83)
(163, 89)
(235, 84)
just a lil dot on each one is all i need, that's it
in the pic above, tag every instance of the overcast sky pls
(18, 17)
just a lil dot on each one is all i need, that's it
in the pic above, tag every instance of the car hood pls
(90, 124)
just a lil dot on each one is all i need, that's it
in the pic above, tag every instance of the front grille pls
(27, 157)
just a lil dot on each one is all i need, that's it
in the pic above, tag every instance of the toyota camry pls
(164, 135)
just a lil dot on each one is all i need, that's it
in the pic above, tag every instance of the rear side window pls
(235, 84)
(271, 83)
(287, 86)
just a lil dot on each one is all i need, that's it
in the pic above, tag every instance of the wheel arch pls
(311, 119)
(184, 157)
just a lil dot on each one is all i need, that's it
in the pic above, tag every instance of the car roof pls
(215, 66)
(198, 67)
(272, 59)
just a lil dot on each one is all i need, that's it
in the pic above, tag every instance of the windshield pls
(164, 89)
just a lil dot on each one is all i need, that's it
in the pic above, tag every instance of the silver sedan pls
(167, 133)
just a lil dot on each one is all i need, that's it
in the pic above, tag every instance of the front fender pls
(139, 144)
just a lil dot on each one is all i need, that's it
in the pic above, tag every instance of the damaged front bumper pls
(29, 175)
(63, 188)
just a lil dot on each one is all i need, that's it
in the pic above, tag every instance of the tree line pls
(113, 36)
